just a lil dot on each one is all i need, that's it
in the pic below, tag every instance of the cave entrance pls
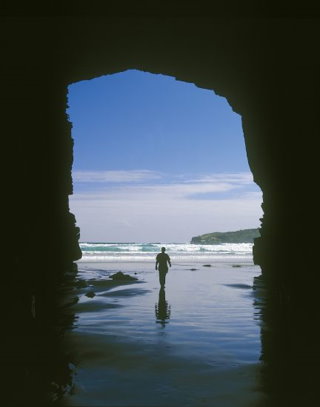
(157, 160)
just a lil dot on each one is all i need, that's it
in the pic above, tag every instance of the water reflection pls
(162, 308)
(282, 379)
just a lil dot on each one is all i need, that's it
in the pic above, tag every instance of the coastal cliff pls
(239, 236)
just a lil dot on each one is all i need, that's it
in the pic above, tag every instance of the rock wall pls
(267, 66)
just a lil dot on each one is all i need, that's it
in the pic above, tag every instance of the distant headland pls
(239, 236)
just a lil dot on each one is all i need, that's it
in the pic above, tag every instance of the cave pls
(264, 62)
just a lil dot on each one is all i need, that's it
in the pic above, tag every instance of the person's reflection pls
(163, 310)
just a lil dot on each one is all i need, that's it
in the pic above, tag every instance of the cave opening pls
(158, 162)
(267, 69)
(149, 147)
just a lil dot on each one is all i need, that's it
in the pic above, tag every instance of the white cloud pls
(171, 189)
(165, 212)
(154, 192)
(231, 178)
(168, 221)
(115, 176)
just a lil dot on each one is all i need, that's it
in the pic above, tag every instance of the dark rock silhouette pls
(263, 59)
(90, 294)
(119, 276)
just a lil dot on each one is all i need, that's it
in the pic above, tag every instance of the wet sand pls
(197, 343)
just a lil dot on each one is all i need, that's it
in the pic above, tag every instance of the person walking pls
(162, 262)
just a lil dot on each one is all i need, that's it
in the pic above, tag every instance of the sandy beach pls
(196, 343)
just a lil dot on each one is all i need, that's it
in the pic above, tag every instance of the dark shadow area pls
(162, 308)
(289, 376)
(265, 64)
(35, 364)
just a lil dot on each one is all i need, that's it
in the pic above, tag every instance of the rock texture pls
(265, 62)
(120, 276)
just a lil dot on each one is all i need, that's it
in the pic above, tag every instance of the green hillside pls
(239, 236)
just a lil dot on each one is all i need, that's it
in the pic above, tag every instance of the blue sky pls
(156, 159)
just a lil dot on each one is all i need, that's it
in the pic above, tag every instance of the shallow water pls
(196, 343)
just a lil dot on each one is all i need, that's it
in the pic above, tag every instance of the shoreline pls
(132, 339)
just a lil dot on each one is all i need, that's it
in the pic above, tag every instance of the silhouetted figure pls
(162, 308)
(162, 262)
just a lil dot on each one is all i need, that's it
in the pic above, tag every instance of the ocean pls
(146, 252)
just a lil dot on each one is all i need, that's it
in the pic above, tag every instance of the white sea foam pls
(104, 252)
